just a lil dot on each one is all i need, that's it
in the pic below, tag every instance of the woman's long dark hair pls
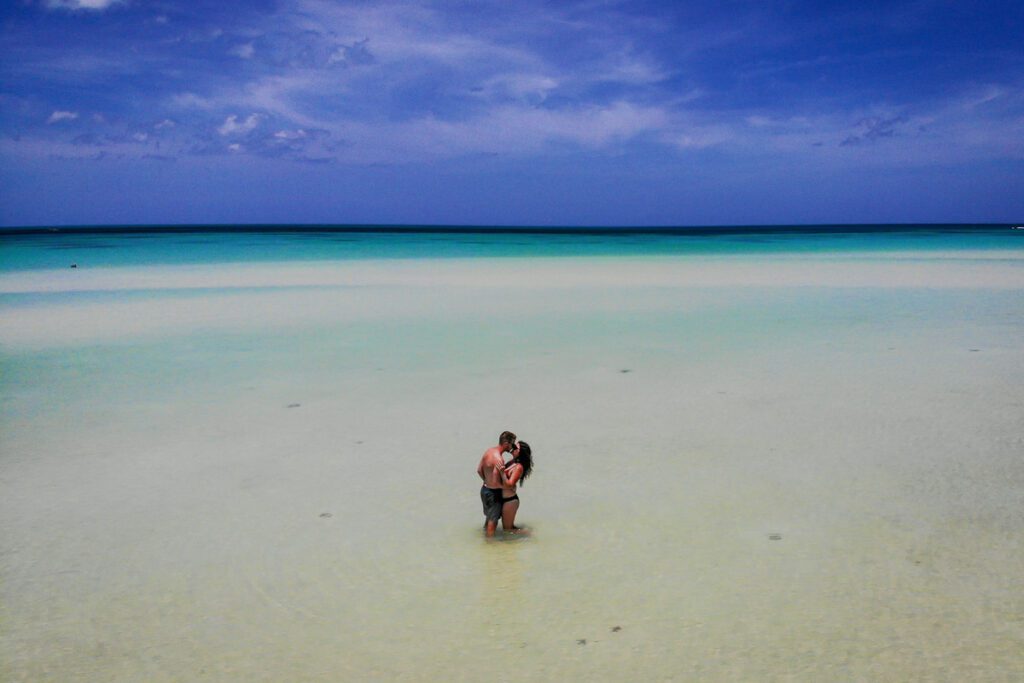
(525, 458)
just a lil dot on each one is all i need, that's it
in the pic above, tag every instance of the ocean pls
(761, 453)
(178, 245)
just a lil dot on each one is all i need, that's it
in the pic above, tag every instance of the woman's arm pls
(511, 475)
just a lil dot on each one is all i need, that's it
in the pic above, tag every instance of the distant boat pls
(1017, 227)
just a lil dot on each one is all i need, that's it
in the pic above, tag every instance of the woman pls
(516, 471)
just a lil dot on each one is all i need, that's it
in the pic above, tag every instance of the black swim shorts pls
(491, 499)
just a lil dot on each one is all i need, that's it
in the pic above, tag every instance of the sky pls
(510, 112)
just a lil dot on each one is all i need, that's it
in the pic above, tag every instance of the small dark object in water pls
(358, 442)
(616, 629)
(974, 350)
(775, 537)
(625, 370)
(581, 641)
(74, 265)
(294, 405)
(326, 514)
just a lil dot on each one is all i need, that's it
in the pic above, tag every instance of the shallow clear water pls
(228, 498)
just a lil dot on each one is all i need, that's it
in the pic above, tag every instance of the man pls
(489, 470)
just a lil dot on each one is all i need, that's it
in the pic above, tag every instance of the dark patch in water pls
(974, 350)
(616, 629)
(625, 370)
(325, 515)
(775, 537)
(294, 405)
(581, 641)
(60, 247)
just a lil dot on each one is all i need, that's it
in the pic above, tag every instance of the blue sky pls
(540, 113)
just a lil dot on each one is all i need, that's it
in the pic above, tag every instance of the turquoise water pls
(155, 247)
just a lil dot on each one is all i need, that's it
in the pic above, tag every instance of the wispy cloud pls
(527, 87)
(356, 54)
(94, 5)
(189, 100)
(233, 126)
(873, 129)
(244, 50)
(58, 116)
(399, 82)
(521, 130)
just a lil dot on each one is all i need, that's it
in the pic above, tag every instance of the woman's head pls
(523, 455)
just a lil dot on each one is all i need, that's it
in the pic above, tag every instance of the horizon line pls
(473, 228)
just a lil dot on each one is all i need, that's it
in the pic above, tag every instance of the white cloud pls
(190, 100)
(983, 96)
(524, 86)
(700, 137)
(497, 83)
(245, 50)
(232, 126)
(403, 32)
(59, 116)
(82, 4)
(632, 71)
(166, 123)
(511, 130)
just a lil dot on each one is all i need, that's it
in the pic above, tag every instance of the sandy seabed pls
(804, 468)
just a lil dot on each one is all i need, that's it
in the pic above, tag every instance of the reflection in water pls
(502, 567)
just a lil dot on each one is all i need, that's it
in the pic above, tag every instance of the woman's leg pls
(508, 515)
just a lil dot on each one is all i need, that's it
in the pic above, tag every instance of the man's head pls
(507, 440)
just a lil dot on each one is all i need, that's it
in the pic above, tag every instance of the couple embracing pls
(498, 494)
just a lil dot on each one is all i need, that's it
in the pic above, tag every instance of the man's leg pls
(492, 510)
